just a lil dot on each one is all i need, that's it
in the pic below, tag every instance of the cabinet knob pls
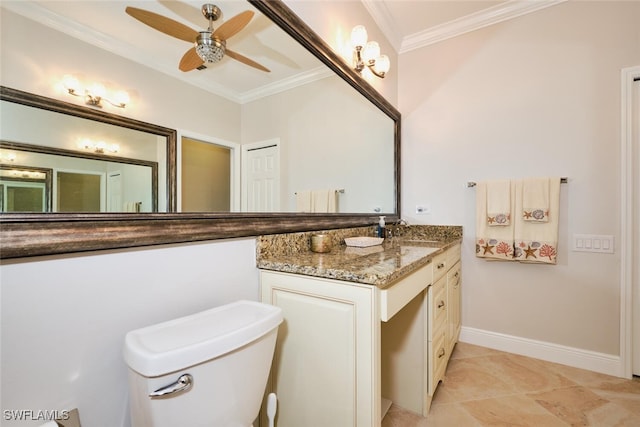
(441, 304)
(441, 353)
(441, 265)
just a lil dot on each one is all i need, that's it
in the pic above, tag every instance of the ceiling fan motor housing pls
(211, 11)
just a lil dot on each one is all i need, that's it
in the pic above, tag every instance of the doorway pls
(208, 174)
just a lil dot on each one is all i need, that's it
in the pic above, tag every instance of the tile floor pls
(485, 387)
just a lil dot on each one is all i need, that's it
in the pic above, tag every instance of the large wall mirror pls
(334, 132)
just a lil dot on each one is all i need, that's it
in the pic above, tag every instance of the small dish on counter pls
(363, 242)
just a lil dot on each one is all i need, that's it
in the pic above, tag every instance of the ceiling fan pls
(209, 45)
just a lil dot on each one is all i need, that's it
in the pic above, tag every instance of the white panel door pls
(114, 192)
(262, 178)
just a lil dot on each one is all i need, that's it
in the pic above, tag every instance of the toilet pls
(207, 369)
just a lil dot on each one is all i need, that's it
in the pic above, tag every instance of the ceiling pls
(408, 24)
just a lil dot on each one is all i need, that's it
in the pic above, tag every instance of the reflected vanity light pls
(368, 53)
(94, 94)
(25, 174)
(8, 157)
(99, 147)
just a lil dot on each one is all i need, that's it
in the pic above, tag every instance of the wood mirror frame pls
(26, 235)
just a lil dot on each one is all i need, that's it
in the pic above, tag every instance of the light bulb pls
(121, 98)
(70, 83)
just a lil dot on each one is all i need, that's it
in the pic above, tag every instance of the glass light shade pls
(359, 36)
(382, 64)
(208, 48)
(97, 90)
(121, 97)
(371, 52)
(70, 83)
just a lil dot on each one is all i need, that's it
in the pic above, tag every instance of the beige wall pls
(537, 95)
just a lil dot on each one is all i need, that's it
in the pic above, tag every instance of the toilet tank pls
(228, 352)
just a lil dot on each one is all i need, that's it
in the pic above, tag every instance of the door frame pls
(628, 190)
(234, 149)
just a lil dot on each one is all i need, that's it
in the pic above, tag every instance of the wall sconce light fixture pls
(368, 53)
(99, 147)
(94, 94)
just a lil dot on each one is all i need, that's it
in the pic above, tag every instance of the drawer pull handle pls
(441, 353)
(456, 275)
(441, 304)
(441, 265)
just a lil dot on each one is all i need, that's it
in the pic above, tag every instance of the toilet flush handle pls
(183, 384)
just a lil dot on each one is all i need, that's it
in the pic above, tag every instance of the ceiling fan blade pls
(246, 60)
(163, 24)
(233, 25)
(190, 60)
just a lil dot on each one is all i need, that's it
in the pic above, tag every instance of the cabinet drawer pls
(439, 266)
(437, 361)
(437, 307)
(396, 296)
(453, 275)
(453, 255)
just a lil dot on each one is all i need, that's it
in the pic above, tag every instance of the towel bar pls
(563, 180)
(337, 191)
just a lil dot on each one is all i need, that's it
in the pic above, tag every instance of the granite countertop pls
(379, 265)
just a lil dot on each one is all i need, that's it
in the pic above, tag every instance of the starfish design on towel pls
(488, 249)
(491, 219)
(530, 252)
(526, 214)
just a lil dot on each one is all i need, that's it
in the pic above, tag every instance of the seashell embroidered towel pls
(494, 243)
(499, 203)
(535, 199)
(537, 241)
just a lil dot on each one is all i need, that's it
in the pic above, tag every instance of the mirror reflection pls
(309, 143)
(89, 170)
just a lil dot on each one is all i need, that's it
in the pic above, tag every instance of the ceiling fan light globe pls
(208, 48)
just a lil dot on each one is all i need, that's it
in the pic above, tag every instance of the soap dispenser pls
(381, 228)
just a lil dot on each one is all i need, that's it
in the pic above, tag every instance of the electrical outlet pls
(423, 209)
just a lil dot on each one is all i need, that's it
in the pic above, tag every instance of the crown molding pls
(286, 84)
(493, 15)
(382, 17)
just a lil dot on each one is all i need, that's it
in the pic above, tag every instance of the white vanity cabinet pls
(343, 345)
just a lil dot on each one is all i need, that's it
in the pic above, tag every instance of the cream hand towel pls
(538, 241)
(499, 203)
(535, 199)
(304, 201)
(324, 201)
(492, 242)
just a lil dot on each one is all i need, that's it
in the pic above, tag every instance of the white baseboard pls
(584, 359)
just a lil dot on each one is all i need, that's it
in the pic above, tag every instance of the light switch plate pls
(593, 243)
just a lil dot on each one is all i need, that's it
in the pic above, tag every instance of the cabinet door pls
(326, 369)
